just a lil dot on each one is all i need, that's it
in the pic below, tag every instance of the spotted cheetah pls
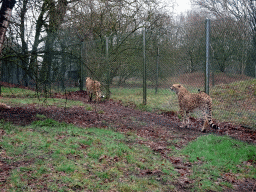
(93, 88)
(188, 102)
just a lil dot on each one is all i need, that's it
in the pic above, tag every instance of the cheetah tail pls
(214, 126)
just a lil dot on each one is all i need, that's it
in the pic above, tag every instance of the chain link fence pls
(172, 55)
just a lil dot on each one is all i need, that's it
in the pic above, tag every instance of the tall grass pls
(235, 102)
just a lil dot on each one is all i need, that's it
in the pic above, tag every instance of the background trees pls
(234, 33)
(47, 29)
(60, 41)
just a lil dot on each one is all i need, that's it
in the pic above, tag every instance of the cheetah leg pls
(183, 118)
(97, 96)
(187, 119)
(204, 126)
(205, 121)
(90, 97)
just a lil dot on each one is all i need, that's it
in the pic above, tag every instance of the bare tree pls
(57, 11)
(120, 21)
(50, 34)
(237, 23)
(5, 14)
(36, 24)
(194, 30)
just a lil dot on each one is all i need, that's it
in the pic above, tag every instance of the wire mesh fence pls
(172, 55)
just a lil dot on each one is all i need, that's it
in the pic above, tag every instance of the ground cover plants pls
(217, 162)
(155, 102)
(60, 157)
(236, 102)
(22, 97)
(111, 145)
(48, 155)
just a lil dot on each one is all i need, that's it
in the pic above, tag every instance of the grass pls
(53, 156)
(162, 100)
(234, 102)
(61, 157)
(215, 159)
(22, 97)
(17, 92)
(40, 102)
(57, 156)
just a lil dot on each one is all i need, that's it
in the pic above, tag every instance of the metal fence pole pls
(108, 73)
(144, 70)
(157, 69)
(207, 68)
(81, 83)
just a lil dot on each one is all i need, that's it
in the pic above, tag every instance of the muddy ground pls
(160, 129)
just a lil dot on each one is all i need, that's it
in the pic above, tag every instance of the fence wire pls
(173, 55)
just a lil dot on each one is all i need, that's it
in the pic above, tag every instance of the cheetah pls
(93, 88)
(188, 102)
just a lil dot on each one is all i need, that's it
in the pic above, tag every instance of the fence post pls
(157, 69)
(81, 83)
(207, 56)
(144, 69)
(108, 72)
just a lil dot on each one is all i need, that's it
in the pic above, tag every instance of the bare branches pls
(239, 9)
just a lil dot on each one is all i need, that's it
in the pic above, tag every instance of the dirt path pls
(114, 114)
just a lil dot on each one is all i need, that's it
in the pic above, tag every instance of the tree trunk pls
(24, 45)
(5, 14)
(56, 16)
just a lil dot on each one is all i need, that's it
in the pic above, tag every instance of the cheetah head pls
(88, 78)
(177, 88)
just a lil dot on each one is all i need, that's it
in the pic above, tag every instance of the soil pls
(162, 130)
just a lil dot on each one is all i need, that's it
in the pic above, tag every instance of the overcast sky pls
(182, 6)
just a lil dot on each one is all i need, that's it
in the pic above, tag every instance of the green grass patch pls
(22, 97)
(62, 157)
(40, 102)
(214, 157)
(17, 92)
(163, 100)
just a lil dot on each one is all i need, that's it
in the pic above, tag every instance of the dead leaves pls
(108, 159)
